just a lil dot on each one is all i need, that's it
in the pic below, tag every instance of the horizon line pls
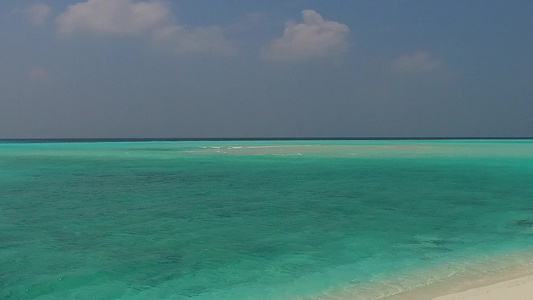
(148, 139)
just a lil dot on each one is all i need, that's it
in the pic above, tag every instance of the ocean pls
(332, 219)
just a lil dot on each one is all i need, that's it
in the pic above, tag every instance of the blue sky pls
(125, 68)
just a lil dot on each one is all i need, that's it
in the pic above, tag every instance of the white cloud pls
(113, 17)
(37, 14)
(250, 21)
(200, 39)
(314, 37)
(154, 18)
(38, 74)
(420, 61)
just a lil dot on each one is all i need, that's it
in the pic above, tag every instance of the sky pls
(277, 68)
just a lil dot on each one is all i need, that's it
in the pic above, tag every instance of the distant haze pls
(205, 68)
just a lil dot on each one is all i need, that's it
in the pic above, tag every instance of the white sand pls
(500, 286)
(515, 283)
(516, 289)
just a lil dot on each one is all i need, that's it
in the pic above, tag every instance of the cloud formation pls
(38, 74)
(37, 14)
(313, 37)
(200, 39)
(112, 17)
(420, 61)
(152, 18)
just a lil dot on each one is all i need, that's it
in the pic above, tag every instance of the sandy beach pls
(514, 284)
(516, 289)
(514, 281)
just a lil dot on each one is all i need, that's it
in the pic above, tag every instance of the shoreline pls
(519, 289)
(515, 283)
(471, 279)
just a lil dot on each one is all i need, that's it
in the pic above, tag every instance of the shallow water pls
(255, 220)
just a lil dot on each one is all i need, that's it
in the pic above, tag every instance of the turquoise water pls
(251, 219)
